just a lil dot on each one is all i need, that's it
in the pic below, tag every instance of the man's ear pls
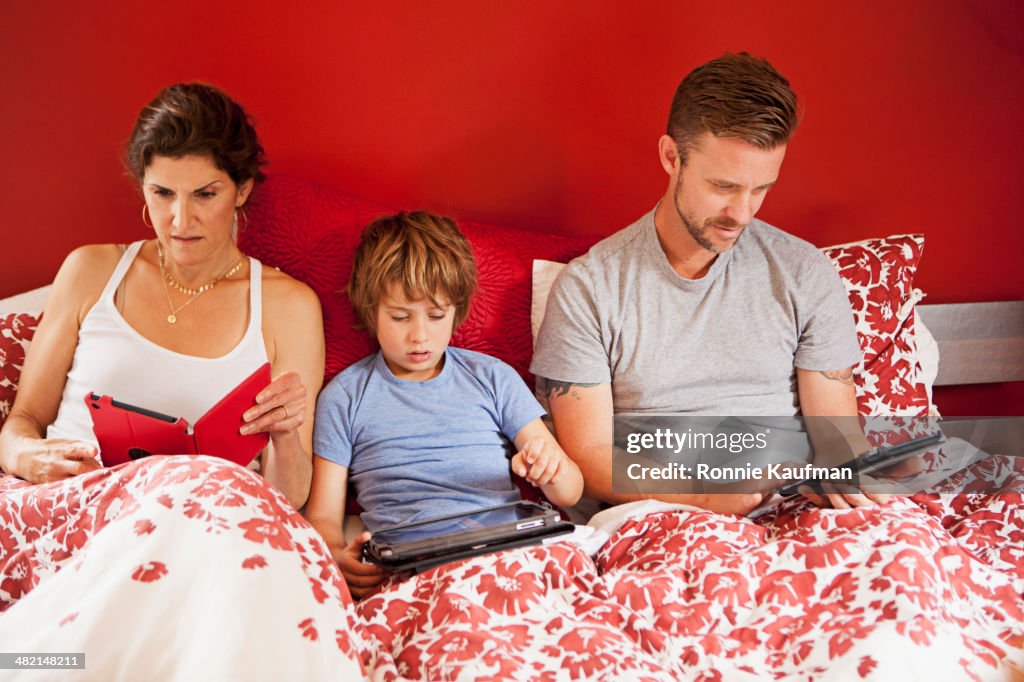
(668, 154)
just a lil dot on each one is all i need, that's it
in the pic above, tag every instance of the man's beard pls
(700, 234)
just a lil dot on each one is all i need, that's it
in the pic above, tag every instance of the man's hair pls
(196, 118)
(425, 254)
(735, 95)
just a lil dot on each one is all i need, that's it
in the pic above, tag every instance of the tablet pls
(875, 460)
(425, 544)
(127, 432)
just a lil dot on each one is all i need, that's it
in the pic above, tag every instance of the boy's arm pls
(542, 461)
(325, 511)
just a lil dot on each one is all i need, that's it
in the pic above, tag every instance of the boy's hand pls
(539, 462)
(361, 577)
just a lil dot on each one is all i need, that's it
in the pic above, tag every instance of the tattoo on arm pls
(556, 389)
(843, 376)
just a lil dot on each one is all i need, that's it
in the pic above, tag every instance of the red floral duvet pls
(170, 568)
(189, 568)
(928, 588)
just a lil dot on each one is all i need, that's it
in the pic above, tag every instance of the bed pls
(931, 587)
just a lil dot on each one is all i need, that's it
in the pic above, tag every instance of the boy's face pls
(413, 335)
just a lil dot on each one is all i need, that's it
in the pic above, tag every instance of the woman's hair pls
(195, 118)
(425, 254)
(735, 95)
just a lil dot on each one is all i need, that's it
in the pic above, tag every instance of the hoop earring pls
(245, 218)
(144, 209)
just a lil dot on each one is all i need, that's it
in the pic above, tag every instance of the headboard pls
(978, 342)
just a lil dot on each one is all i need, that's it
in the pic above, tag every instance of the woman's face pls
(192, 207)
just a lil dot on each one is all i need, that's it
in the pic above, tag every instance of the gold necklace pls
(194, 293)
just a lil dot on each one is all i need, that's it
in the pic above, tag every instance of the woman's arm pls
(294, 334)
(326, 513)
(542, 462)
(24, 451)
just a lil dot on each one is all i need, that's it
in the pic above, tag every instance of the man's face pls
(721, 188)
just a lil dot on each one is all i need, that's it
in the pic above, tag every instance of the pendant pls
(172, 319)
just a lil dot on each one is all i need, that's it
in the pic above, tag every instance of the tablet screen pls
(507, 515)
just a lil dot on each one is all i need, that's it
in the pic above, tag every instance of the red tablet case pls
(126, 432)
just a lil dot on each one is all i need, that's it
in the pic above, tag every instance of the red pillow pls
(16, 332)
(311, 232)
(879, 278)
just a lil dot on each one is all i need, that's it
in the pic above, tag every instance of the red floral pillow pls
(16, 332)
(879, 278)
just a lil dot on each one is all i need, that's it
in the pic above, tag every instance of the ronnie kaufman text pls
(743, 472)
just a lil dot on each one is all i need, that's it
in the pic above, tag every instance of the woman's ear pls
(243, 192)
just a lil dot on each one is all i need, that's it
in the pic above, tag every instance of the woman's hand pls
(361, 577)
(42, 460)
(280, 408)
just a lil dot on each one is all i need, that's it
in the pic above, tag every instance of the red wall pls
(542, 115)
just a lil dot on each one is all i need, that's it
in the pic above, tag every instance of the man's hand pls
(740, 504)
(839, 496)
(736, 497)
(361, 577)
(867, 492)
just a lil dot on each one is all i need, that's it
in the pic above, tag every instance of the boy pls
(424, 430)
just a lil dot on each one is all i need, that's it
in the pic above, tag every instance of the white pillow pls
(544, 274)
(30, 302)
(928, 357)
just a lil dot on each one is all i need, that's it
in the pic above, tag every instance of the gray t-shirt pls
(725, 344)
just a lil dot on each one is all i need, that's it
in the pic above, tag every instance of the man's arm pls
(583, 416)
(828, 401)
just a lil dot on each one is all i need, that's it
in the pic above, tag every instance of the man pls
(699, 308)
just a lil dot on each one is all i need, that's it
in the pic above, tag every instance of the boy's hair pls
(735, 95)
(425, 254)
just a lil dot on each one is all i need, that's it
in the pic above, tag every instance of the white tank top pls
(113, 359)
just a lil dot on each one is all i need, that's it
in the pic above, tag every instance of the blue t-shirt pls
(420, 449)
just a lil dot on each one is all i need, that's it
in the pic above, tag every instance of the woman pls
(171, 323)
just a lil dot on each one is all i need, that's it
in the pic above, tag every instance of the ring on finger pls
(285, 408)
